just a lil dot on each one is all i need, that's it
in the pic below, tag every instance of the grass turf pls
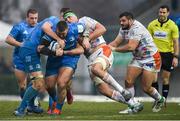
(93, 111)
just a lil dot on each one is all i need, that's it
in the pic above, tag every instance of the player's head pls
(70, 16)
(62, 29)
(126, 20)
(163, 13)
(62, 11)
(32, 17)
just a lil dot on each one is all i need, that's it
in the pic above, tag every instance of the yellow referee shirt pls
(163, 34)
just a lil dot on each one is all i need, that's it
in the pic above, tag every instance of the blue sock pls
(50, 101)
(31, 103)
(29, 94)
(22, 91)
(59, 106)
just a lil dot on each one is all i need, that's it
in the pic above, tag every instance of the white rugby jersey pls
(91, 24)
(146, 48)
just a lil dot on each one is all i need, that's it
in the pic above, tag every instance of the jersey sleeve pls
(15, 31)
(175, 32)
(88, 22)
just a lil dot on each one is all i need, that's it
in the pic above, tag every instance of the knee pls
(147, 89)
(94, 69)
(38, 83)
(61, 84)
(129, 83)
(22, 84)
(165, 81)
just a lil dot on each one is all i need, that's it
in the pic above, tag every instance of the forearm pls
(11, 41)
(124, 49)
(96, 34)
(76, 51)
(176, 47)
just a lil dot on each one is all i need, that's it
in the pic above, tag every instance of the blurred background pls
(104, 11)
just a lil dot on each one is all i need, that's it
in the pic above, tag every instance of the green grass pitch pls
(93, 111)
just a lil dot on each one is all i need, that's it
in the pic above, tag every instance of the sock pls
(29, 94)
(59, 106)
(22, 91)
(118, 97)
(165, 90)
(155, 95)
(156, 85)
(50, 101)
(31, 103)
(110, 80)
(131, 90)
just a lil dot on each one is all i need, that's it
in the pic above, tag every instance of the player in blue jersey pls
(50, 79)
(17, 35)
(61, 69)
(31, 58)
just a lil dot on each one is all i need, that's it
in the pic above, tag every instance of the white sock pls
(118, 97)
(110, 80)
(155, 95)
(131, 90)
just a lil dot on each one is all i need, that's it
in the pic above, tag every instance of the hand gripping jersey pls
(54, 63)
(146, 48)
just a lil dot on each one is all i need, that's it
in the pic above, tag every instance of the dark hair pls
(31, 10)
(165, 6)
(62, 26)
(127, 15)
(63, 10)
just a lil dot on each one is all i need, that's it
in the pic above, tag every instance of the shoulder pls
(171, 22)
(153, 22)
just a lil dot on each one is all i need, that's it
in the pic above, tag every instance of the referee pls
(165, 34)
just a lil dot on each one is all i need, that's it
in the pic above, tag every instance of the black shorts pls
(167, 59)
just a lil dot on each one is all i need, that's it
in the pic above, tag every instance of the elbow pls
(104, 30)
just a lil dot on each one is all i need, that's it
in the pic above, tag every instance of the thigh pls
(20, 75)
(133, 71)
(65, 74)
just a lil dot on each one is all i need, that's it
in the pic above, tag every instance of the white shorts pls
(103, 53)
(104, 56)
(152, 64)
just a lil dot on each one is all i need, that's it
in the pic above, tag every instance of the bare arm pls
(176, 46)
(99, 30)
(76, 51)
(130, 46)
(116, 42)
(176, 52)
(47, 29)
(11, 41)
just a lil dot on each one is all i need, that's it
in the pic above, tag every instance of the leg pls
(22, 81)
(147, 79)
(50, 82)
(165, 77)
(64, 76)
